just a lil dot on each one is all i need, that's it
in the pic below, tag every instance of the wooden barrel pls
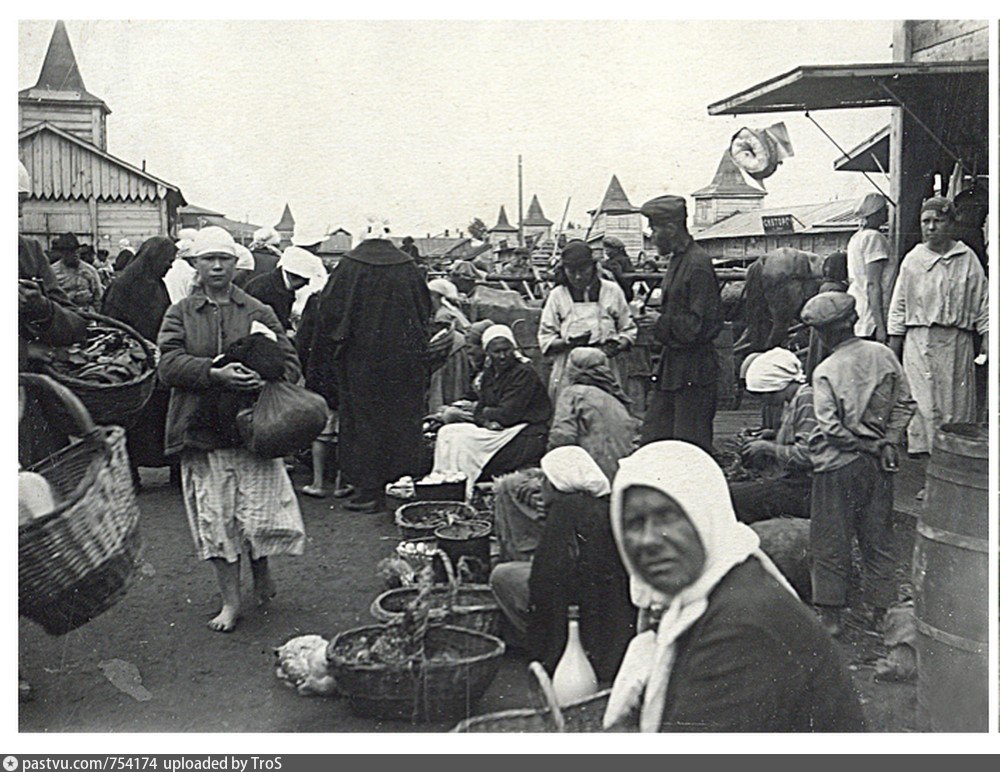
(950, 567)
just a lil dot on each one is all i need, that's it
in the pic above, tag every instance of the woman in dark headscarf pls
(369, 359)
(139, 298)
(592, 411)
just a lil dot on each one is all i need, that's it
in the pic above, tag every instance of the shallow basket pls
(112, 403)
(474, 608)
(432, 691)
(410, 525)
(78, 560)
(584, 715)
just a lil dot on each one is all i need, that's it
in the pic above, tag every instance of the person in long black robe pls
(369, 359)
(139, 298)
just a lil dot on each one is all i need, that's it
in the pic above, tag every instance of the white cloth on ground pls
(691, 477)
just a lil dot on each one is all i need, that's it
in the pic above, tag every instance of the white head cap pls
(267, 235)
(244, 258)
(444, 288)
(306, 235)
(301, 262)
(213, 240)
(187, 233)
(378, 228)
(23, 179)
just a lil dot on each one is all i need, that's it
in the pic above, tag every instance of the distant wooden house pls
(536, 225)
(199, 217)
(337, 244)
(727, 194)
(286, 226)
(503, 233)
(76, 185)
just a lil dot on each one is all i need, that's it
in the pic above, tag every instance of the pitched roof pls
(535, 216)
(435, 246)
(503, 224)
(108, 177)
(200, 211)
(729, 183)
(60, 77)
(829, 217)
(615, 201)
(287, 222)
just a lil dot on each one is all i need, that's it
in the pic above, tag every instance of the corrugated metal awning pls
(872, 155)
(839, 86)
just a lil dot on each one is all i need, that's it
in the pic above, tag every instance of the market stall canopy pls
(840, 86)
(872, 155)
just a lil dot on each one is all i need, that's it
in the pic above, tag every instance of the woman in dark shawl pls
(369, 359)
(139, 298)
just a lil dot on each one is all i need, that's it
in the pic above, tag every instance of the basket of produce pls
(469, 606)
(384, 674)
(440, 487)
(77, 559)
(420, 518)
(467, 544)
(421, 553)
(113, 372)
(583, 715)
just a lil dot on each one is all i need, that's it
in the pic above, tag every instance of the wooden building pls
(199, 217)
(727, 194)
(938, 87)
(536, 225)
(76, 184)
(616, 217)
(503, 233)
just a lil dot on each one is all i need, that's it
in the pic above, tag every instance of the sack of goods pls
(284, 420)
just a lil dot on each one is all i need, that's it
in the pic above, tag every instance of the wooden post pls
(92, 207)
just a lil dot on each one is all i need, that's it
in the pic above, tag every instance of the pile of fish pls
(108, 356)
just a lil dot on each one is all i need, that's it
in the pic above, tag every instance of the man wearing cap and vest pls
(939, 305)
(684, 394)
(871, 269)
(862, 404)
(78, 280)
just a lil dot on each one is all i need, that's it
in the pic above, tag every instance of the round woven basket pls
(78, 560)
(413, 523)
(469, 606)
(424, 691)
(112, 403)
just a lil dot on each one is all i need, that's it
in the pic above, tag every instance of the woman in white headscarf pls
(777, 377)
(511, 420)
(451, 381)
(724, 643)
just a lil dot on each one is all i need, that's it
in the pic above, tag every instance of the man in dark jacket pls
(277, 288)
(684, 397)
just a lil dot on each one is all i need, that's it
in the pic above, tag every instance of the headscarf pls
(476, 331)
(301, 262)
(577, 252)
(773, 371)
(571, 469)
(589, 367)
(138, 295)
(503, 331)
(747, 361)
(939, 204)
(448, 294)
(244, 259)
(690, 477)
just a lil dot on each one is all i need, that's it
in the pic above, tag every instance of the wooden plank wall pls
(938, 40)
(134, 220)
(77, 120)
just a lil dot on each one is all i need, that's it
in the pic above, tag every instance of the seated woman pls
(450, 381)
(785, 491)
(575, 563)
(592, 411)
(511, 419)
(733, 650)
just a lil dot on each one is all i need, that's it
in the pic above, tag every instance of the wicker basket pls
(429, 691)
(469, 606)
(411, 525)
(112, 403)
(585, 715)
(78, 561)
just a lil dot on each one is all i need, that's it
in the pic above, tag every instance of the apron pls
(583, 317)
(468, 448)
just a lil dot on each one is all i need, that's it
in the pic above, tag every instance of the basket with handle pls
(78, 560)
(112, 403)
(585, 715)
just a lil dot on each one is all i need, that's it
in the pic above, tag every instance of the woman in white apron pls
(583, 310)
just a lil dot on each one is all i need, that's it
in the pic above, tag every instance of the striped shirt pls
(798, 422)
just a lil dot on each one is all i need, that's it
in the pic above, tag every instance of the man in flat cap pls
(862, 404)
(79, 280)
(617, 263)
(683, 403)
(871, 269)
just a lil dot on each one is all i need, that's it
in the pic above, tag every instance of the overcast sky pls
(421, 122)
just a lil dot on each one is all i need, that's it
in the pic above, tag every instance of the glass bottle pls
(574, 678)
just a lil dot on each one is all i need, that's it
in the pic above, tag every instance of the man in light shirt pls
(871, 269)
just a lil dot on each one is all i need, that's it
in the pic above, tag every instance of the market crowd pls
(631, 518)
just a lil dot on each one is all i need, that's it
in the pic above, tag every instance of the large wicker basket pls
(410, 518)
(431, 691)
(112, 403)
(469, 606)
(585, 715)
(77, 561)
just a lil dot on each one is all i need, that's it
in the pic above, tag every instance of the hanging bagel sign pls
(759, 152)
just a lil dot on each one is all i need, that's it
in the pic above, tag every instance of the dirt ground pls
(201, 681)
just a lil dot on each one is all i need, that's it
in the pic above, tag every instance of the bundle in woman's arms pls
(279, 420)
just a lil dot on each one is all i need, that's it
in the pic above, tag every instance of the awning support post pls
(844, 152)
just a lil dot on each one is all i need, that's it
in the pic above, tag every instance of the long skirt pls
(938, 362)
(235, 499)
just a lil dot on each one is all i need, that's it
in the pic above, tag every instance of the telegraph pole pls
(520, 204)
